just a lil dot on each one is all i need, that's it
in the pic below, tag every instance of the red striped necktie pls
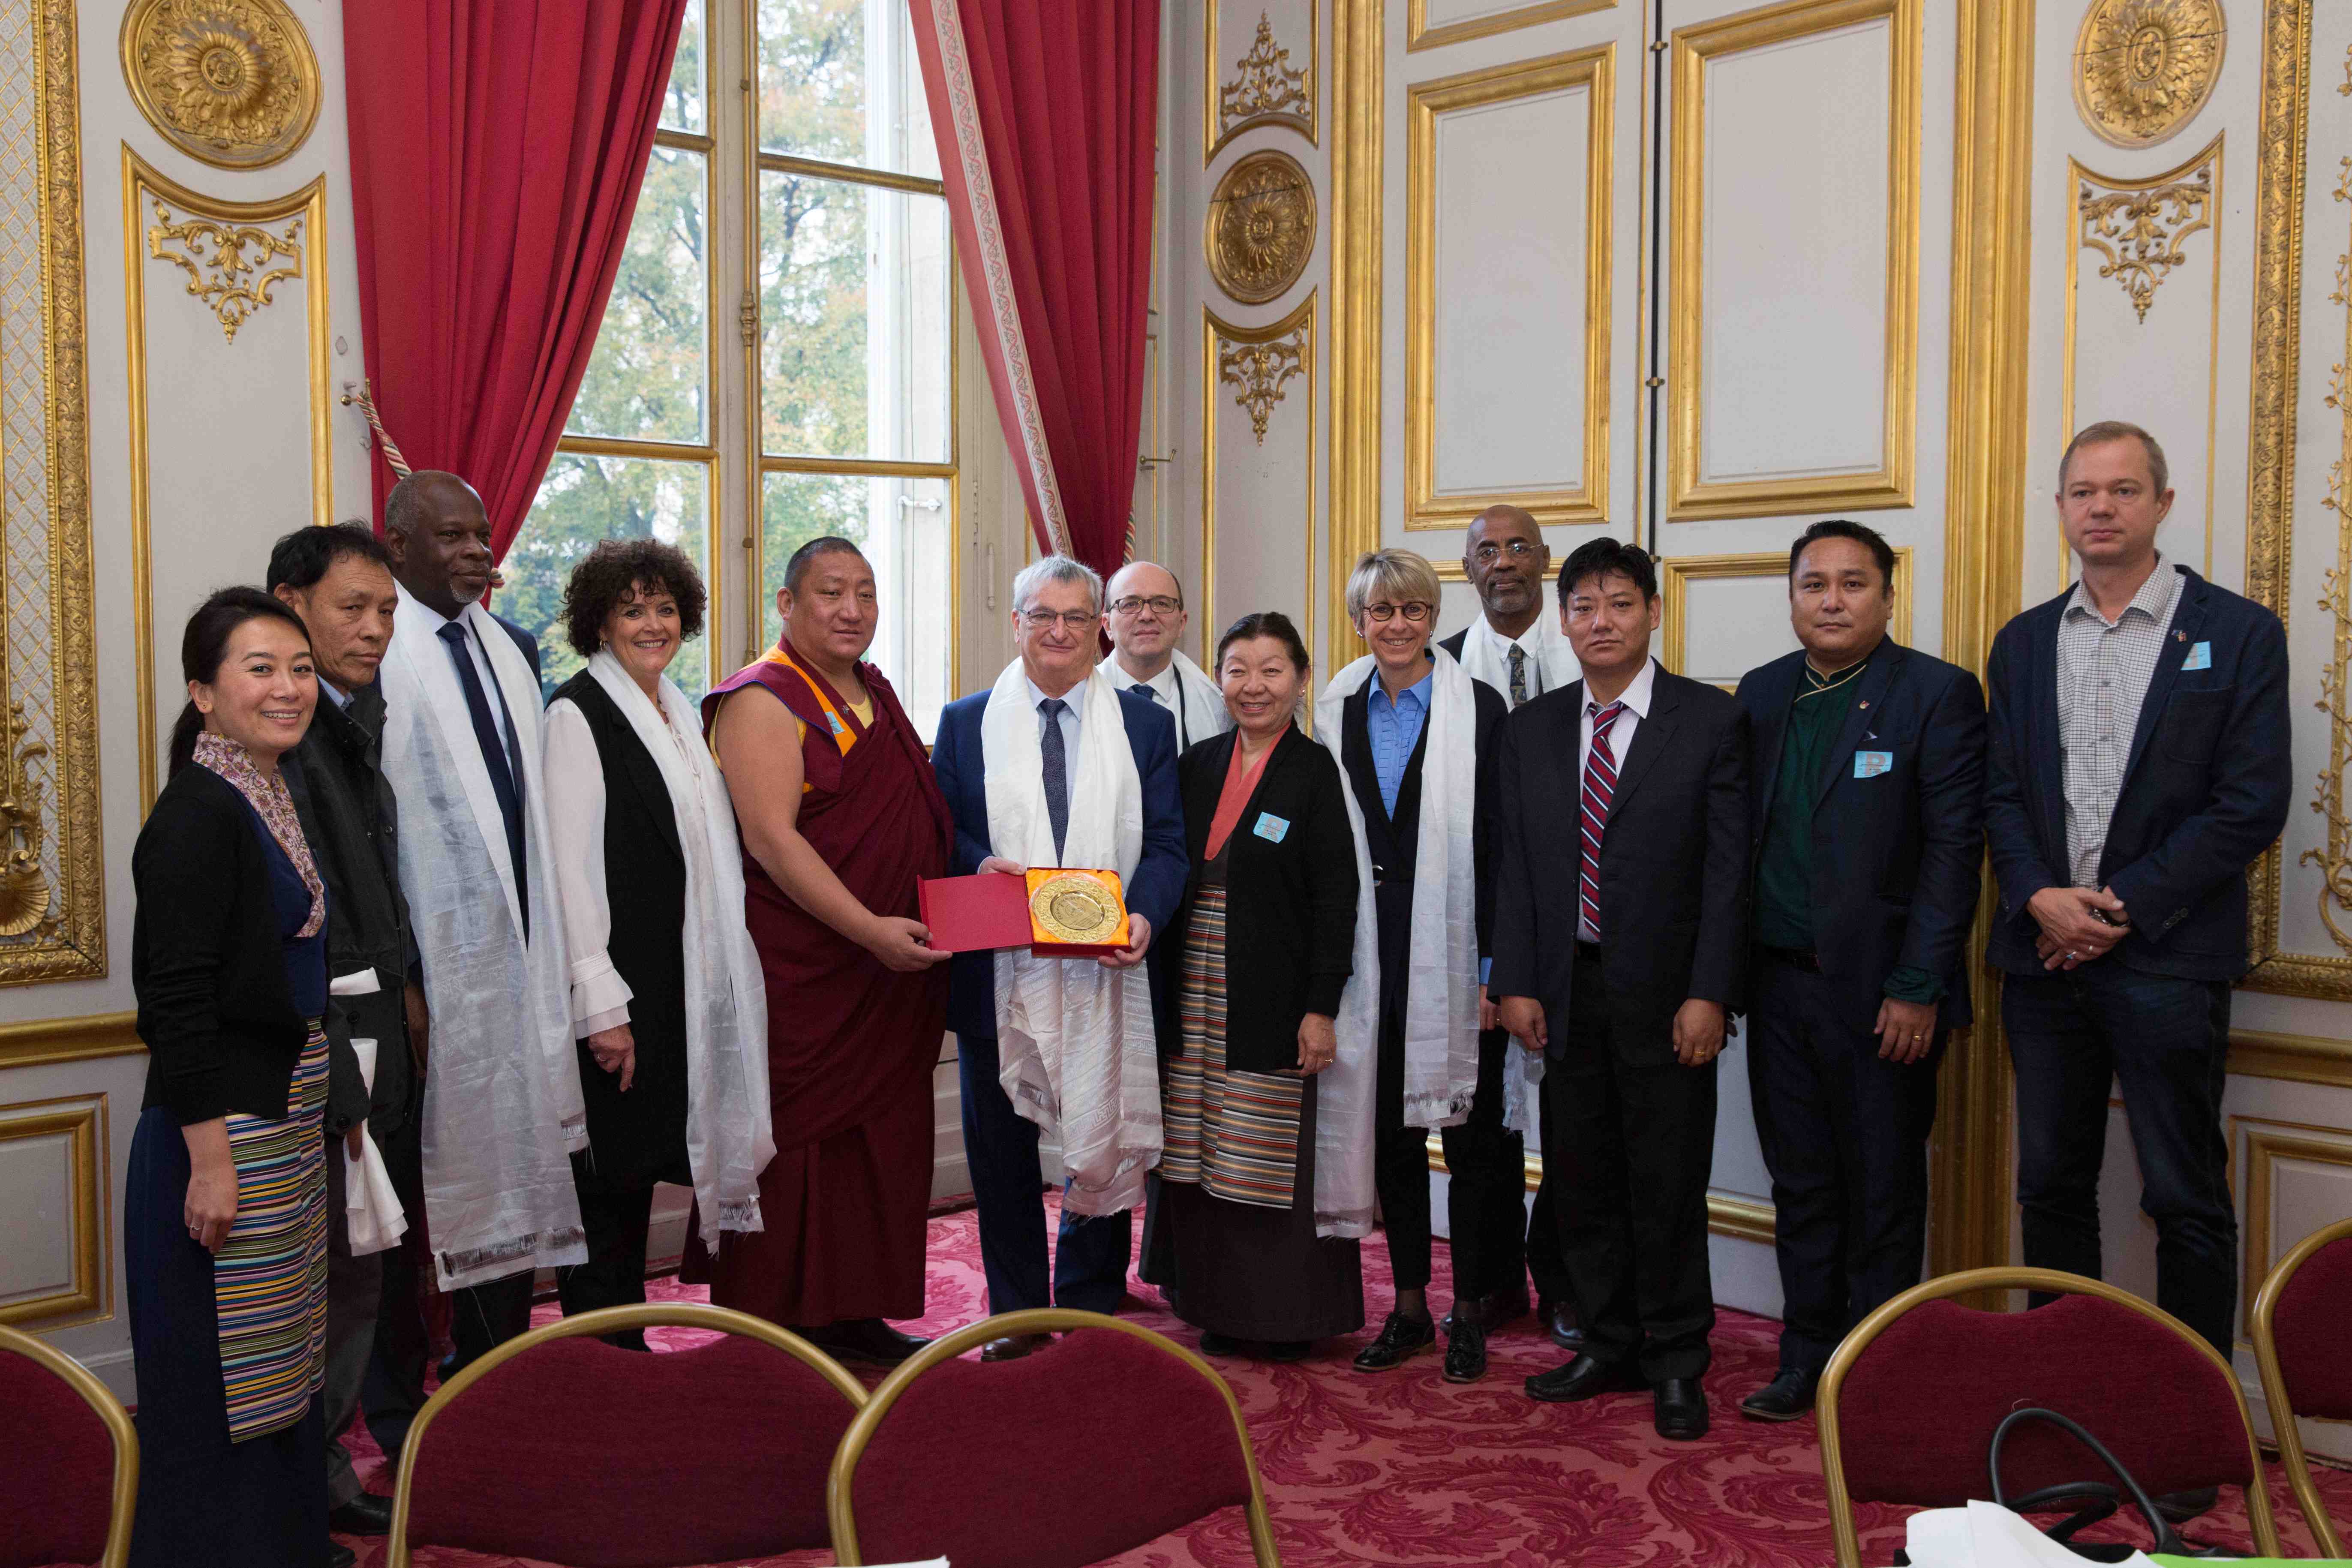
(1600, 788)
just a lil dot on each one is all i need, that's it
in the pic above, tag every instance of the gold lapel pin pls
(2180, 637)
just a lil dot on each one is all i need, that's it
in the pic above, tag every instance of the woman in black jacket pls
(225, 1232)
(1267, 937)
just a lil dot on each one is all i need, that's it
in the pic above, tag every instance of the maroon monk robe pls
(851, 1043)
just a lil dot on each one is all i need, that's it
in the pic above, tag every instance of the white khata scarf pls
(728, 1136)
(1075, 1041)
(502, 1105)
(1486, 654)
(1204, 701)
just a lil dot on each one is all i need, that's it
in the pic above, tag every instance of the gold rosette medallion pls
(1076, 908)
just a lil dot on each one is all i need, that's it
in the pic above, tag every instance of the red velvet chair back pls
(1090, 1447)
(2308, 1324)
(67, 1459)
(566, 1449)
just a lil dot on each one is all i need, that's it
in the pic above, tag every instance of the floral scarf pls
(275, 807)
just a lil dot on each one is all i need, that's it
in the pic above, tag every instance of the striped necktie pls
(1600, 788)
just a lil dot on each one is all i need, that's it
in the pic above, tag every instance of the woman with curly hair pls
(667, 999)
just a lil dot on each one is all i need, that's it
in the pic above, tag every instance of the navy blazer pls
(1896, 856)
(1153, 892)
(2206, 786)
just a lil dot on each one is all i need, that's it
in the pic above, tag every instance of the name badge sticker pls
(1870, 764)
(1271, 827)
(834, 720)
(2201, 657)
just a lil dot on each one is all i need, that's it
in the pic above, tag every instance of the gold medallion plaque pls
(1261, 227)
(1076, 908)
(2144, 68)
(233, 82)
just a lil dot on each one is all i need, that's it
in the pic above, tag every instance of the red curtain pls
(496, 149)
(1045, 112)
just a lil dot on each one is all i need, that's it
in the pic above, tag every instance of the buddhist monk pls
(840, 816)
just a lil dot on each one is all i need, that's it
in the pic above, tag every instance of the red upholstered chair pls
(2298, 1331)
(559, 1446)
(1090, 1447)
(1910, 1400)
(72, 1476)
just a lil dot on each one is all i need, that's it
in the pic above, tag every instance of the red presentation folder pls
(975, 914)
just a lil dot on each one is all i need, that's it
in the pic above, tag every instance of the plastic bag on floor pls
(1986, 1535)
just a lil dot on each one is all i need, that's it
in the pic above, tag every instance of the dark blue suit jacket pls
(1896, 856)
(2205, 786)
(1153, 892)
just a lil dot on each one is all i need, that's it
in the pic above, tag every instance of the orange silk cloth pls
(1241, 783)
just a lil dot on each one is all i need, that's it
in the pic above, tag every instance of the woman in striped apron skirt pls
(1267, 937)
(226, 1218)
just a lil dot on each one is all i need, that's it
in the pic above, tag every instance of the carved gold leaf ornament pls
(2139, 232)
(228, 265)
(2144, 68)
(1261, 227)
(232, 82)
(1268, 88)
(25, 894)
(2334, 858)
(1259, 371)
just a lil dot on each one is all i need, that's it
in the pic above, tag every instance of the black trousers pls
(1629, 1132)
(2166, 1041)
(393, 1391)
(484, 1316)
(1845, 1137)
(1400, 1152)
(1486, 1194)
(616, 1219)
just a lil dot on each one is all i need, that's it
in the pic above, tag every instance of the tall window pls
(825, 400)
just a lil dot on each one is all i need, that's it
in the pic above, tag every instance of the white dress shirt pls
(1636, 698)
(1550, 662)
(434, 620)
(1195, 721)
(1069, 717)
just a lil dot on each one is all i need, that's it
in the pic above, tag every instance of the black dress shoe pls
(1219, 1344)
(868, 1339)
(1681, 1409)
(1785, 1398)
(342, 1556)
(2179, 1508)
(1288, 1351)
(1401, 1339)
(1012, 1347)
(1583, 1378)
(1465, 1352)
(367, 1514)
(1558, 1319)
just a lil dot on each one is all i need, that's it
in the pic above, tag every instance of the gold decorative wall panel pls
(1261, 227)
(79, 1125)
(52, 892)
(1677, 574)
(2295, 1058)
(1359, 43)
(2144, 68)
(1594, 71)
(231, 83)
(219, 249)
(1420, 35)
(47, 1040)
(2266, 1144)
(1694, 48)
(1253, 368)
(1265, 87)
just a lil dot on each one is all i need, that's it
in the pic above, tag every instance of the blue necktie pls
(503, 768)
(1057, 770)
(1143, 689)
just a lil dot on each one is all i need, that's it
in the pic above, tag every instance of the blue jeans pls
(1008, 1185)
(2165, 1042)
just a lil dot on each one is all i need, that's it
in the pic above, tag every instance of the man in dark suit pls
(1518, 649)
(1057, 621)
(1618, 948)
(2139, 761)
(1868, 822)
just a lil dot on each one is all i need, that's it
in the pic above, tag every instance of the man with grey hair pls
(1055, 765)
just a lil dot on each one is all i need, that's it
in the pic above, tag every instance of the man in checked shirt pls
(2139, 763)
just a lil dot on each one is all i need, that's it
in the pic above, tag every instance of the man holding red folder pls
(1055, 766)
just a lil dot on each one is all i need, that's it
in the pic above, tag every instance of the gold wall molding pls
(1418, 34)
(2333, 857)
(1359, 42)
(52, 887)
(1257, 360)
(1261, 227)
(1266, 89)
(228, 266)
(1689, 497)
(2267, 1143)
(2144, 68)
(233, 83)
(82, 1119)
(1593, 70)
(2295, 1058)
(84, 1039)
(145, 191)
(1677, 574)
(2285, 117)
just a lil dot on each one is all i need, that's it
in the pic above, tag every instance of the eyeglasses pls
(1046, 620)
(1159, 604)
(1415, 612)
(1518, 550)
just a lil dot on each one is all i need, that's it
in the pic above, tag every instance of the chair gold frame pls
(1034, 1321)
(2290, 1440)
(1849, 1545)
(603, 1320)
(99, 1397)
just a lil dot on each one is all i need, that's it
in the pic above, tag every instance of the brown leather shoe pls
(1012, 1347)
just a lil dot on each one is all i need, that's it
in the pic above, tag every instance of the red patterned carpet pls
(1407, 1468)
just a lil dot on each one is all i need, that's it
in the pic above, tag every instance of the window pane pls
(839, 80)
(682, 107)
(853, 312)
(649, 379)
(583, 502)
(904, 527)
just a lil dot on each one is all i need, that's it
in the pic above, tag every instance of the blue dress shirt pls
(1394, 729)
